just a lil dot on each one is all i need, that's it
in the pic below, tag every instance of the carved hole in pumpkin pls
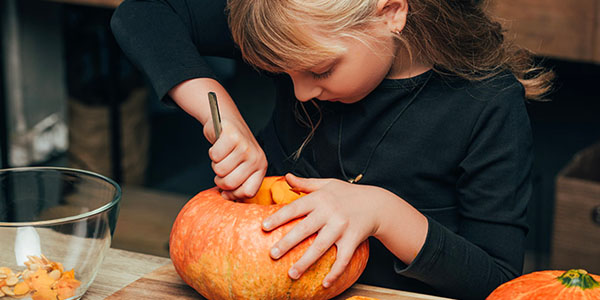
(274, 190)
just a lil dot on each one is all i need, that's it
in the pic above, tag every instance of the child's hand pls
(237, 159)
(342, 213)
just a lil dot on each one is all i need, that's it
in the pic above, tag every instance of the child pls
(415, 134)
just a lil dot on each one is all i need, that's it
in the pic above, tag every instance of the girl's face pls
(360, 68)
(350, 76)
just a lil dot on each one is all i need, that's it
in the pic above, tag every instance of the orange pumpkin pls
(218, 247)
(548, 285)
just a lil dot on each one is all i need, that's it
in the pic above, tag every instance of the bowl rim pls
(116, 199)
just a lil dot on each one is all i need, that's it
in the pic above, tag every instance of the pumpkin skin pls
(218, 247)
(548, 285)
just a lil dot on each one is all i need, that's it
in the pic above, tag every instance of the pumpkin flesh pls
(218, 247)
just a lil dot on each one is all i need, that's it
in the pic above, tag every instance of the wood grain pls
(164, 283)
(576, 235)
(119, 269)
(596, 37)
(556, 28)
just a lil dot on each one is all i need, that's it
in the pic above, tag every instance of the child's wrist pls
(402, 228)
(192, 96)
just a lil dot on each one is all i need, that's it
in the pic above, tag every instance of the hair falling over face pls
(457, 37)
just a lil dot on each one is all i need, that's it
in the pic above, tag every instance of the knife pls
(216, 116)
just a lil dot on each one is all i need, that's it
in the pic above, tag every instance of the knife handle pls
(216, 116)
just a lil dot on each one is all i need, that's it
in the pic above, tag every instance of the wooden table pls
(123, 269)
(119, 269)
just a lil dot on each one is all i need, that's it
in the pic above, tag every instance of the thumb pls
(209, 132)
(305, 185)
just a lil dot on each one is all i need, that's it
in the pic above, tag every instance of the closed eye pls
(323, 75)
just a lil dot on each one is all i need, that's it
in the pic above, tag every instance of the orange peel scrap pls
(43, 278)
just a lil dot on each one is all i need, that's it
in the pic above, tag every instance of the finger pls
(227, 195)
(249, 163)
(226, 144)
(345, 251)
(299, 232)
(235, 178)
(228, 164)
(306, 185)
(249, 188)
(296, 209)
(324, 240)
(209, 131)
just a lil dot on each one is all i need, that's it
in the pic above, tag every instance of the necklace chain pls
(385, 132)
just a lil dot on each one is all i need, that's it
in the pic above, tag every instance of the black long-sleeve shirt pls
(460, 152)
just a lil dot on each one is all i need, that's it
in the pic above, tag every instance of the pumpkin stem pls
(578, 277)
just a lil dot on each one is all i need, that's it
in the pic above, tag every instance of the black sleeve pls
(494, 190)
(166, 39)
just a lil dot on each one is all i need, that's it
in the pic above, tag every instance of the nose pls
(305, 87)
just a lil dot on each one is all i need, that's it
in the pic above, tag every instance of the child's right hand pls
(237, 159)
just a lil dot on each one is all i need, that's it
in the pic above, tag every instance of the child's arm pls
(166, 40)
(483, 245)
(237, 159)
(346, 214)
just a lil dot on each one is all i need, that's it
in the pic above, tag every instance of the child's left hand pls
(342, 213)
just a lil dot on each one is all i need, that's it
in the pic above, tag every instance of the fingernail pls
(326, 284)
(275, 252)
(293, 273)
(266, 225)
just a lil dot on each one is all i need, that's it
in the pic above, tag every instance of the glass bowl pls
(54, 220)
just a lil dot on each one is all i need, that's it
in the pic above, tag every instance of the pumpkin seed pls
(21, 289)
(6, 290)
(12, 284)
(5, 271)
(34, 267)
(55, 274)
(26, 274)
(12, 280)
(45, 260)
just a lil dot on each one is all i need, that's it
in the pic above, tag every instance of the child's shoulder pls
(503, 85)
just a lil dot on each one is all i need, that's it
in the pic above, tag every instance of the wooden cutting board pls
(164, 283)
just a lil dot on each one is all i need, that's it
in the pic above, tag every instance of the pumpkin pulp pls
(274, 190)
(578, 278)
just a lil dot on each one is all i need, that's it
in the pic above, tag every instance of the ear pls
(394, 13)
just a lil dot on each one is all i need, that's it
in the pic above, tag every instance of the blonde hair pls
(455, 36)
(280, 35)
